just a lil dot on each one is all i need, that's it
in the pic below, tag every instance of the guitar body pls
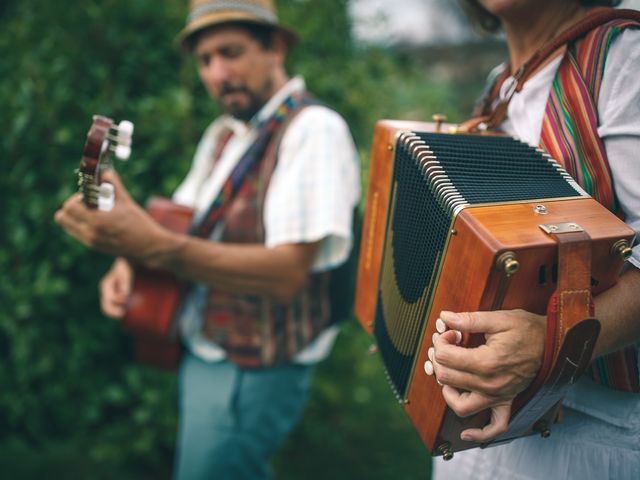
(155, 297)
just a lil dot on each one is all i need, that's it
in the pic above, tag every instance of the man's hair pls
(263, 34)
(486, 22)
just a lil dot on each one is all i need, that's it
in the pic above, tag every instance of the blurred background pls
(73, 403)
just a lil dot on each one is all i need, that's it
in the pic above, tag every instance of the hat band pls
(255, 10)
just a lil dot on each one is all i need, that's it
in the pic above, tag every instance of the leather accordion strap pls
(593, 18)
(571, 334)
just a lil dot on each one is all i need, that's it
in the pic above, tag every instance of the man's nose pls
(217, 70)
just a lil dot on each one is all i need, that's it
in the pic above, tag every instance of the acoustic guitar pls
(155, 295)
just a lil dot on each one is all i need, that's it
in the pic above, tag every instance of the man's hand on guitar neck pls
(127, 230)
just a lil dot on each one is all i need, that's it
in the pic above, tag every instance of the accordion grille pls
(434, 177)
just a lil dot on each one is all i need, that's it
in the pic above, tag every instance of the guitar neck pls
(103, 138)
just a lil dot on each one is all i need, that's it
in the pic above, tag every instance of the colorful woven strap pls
(253, 154)
(488, 114)
(569, 134)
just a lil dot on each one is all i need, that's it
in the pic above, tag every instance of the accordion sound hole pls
(417, 230)
(542, 275)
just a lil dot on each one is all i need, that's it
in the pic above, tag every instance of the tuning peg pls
(122, 133)
(124, 141)
(122, 152)
(125, 129)
(106, 197)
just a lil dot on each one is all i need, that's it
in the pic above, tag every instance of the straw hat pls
(207, 13)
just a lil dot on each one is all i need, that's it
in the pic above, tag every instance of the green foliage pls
(73, 401)
(66, 372)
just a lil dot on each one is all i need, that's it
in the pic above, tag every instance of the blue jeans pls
(232, 420)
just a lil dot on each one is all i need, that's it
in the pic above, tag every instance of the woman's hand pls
(492, 374)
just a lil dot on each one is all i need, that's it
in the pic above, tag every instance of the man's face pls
(237, 71)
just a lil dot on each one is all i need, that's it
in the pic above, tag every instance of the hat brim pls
(220, 18)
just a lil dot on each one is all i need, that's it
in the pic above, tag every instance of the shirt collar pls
(295, 85)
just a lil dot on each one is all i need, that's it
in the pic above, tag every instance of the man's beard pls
(245, 112)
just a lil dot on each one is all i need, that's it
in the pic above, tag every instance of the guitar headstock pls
(104, 138)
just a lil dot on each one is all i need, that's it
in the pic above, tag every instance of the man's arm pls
(129, 232)
(618, 310)
(278, 272)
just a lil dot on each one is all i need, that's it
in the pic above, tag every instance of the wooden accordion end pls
(478, 222)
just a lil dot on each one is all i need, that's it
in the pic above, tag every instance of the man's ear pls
(279, 47)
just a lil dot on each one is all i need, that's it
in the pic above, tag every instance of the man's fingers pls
(112, 177)
(465, 403)
(473, 322)
(477, 360)
(466, 376)
(112, 309)
(119, 191)
(74, 215)
(113, 299)
(76, 229)
(115, 288)
(69, 209)
(73, 199)
(497, 426)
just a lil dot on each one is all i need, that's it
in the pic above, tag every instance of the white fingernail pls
(441, 327)
(428, 367)
(458, 336)
(434, 337)
(430, 353)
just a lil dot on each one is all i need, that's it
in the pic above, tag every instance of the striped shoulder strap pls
(254, 153)
(569, 129)
(569, 134)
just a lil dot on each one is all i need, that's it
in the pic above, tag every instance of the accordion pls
(477, 222)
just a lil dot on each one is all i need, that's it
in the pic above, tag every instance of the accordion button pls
(441, 327)
(428, 367)
(434, 337)
(430, 353)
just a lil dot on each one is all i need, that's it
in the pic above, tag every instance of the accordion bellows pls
(447, 218)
